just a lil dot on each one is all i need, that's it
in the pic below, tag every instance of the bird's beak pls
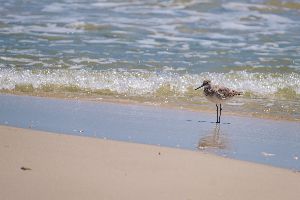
(199, 87)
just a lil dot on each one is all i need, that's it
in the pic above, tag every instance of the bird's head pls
(205, 83)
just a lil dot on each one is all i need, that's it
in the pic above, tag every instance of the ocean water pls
(155, 52)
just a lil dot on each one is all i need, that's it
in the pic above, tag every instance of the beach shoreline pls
(71, 167)
(250, 139)
(208, 107)
(100, 100)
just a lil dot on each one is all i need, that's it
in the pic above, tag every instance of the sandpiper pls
(217, 94)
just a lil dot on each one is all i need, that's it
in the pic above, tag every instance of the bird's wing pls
(225, 92)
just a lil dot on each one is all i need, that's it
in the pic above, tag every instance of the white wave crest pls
(138, 83)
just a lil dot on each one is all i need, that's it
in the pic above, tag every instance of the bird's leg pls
(220, 113)
(217, 113)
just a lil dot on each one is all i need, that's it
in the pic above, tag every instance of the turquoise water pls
(155, 51)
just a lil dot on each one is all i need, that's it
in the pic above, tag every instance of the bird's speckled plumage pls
(217, 94)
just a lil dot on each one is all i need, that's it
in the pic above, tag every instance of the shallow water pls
(275, 143)
(155, 51)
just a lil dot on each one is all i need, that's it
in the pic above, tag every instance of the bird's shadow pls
(213, 140)
(204, 121)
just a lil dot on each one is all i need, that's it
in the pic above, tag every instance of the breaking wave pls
(147, 83)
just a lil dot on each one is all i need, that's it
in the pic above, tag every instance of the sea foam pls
(139, 83)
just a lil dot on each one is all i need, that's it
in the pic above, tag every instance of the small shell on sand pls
(25, 168)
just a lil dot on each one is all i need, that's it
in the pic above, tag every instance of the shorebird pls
(217, 94)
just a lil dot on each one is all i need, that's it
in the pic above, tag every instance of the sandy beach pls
(73, 167)
(103, 100)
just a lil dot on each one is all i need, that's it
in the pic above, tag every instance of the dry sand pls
(71, 167)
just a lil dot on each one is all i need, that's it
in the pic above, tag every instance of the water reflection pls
(215, 139)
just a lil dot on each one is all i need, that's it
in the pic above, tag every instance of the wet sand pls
(271, 142)
(73, 167)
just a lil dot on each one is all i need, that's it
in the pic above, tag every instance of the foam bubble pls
(138, 83)
(54, 7)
